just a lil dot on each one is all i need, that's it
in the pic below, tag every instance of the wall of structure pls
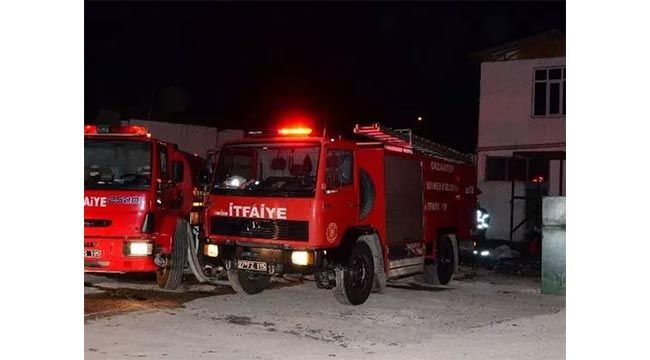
(506, 125)
(190, 138)
(495, 195)
(505, 111)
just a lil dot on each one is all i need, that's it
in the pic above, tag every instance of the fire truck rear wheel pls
(170, 276)
(439, 272)
(355, 280)
(245, 282)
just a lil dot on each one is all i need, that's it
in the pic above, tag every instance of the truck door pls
(182, 178)
(341, 203)
(168, 191)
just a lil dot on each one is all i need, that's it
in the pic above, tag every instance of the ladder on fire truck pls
(405, 141)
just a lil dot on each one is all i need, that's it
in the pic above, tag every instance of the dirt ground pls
(480, 315)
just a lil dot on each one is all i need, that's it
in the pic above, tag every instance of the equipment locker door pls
(341, 201)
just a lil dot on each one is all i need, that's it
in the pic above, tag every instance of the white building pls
(521, 136)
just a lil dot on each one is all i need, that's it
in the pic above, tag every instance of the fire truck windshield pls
(117, 164)
(273, 169)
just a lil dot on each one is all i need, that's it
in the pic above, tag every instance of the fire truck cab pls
(138, 202)
(353, 214)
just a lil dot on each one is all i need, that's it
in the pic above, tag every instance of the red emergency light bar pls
(295, 131)
(292, 131)
(132, 130)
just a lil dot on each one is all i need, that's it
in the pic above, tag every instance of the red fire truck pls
(139, 205)
(353, 214)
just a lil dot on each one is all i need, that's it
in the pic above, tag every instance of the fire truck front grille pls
(260, 228)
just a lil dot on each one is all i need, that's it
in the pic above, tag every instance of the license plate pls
(251, 265)
(92, 253)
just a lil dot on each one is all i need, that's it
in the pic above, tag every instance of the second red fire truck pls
(353, 214)
(139, 203)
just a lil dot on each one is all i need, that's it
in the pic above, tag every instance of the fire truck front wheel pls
(355, 279)
(169, 276)
(245, 282)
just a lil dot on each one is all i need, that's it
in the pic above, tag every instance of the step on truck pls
(141, 203)
(353, 214)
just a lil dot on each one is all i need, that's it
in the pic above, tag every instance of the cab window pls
(338, 172)
(162, 156)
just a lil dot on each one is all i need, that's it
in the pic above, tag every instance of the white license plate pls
(92, 253)
(251, 265)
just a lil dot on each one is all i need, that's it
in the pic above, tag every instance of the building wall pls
(190, 138)
(505, 111)
(495, 195)
(506, 121)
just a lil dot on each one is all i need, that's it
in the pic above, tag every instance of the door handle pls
(327, 205)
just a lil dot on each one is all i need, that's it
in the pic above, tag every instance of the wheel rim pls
(359, 272)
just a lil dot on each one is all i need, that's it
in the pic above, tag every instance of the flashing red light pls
(90, 129)
(116, 130)
(133, 129)
(295, 131)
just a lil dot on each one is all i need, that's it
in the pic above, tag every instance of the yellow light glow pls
(211, 250)
(140, 248)
(300, 258)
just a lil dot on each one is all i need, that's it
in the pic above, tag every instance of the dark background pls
(246, 65)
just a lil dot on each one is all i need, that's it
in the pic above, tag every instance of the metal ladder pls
(406, 141)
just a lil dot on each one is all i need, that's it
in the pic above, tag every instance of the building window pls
(549, 98)
(519, 169)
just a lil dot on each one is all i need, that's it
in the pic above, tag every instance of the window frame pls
(561, 98)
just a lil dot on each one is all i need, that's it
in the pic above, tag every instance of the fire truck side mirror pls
(177, 171)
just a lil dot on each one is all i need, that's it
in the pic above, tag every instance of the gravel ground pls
(480, 315)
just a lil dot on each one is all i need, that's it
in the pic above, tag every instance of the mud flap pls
(378, 258)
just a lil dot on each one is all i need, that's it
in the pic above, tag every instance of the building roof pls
(544, 45)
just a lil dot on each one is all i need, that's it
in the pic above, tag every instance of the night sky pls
(246, 65)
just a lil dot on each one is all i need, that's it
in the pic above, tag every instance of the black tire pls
(366, 194)
(440, 270)
(170, 276)
(246, 282)
(355, 280)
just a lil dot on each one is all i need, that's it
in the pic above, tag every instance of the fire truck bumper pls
(272, 260)
(118, 255)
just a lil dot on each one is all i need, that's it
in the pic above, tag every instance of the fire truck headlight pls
(211, 250)
(301, 258)
(139, 248)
